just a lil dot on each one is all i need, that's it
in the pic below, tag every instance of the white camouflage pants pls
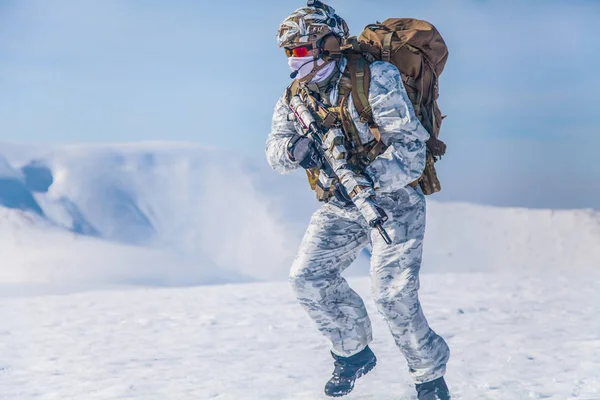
(332, 241)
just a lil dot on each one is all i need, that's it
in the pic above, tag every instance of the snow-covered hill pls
(177, 213)
(37, 256)
(470, 237)
(211, 210)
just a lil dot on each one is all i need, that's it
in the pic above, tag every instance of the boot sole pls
(360, 373)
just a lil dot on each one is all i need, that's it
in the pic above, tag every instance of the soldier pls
(386, 172)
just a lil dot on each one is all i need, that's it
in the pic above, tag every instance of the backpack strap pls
(360, 76)
(292, 90)
(386, 51)
(348, 125)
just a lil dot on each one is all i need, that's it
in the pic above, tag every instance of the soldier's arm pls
(281, 132)
(404, 160)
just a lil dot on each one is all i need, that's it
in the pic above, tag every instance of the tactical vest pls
(359, 155)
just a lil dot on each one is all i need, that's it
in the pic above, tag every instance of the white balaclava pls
(305, 66)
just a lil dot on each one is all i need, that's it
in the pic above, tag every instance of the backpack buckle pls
(366, 114)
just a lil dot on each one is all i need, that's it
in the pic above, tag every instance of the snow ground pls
(513, 336)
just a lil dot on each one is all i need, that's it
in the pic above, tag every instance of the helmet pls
(310, 24)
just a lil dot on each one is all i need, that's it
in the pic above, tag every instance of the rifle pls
(335, 170)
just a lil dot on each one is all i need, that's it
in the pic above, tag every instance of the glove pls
(301, 148)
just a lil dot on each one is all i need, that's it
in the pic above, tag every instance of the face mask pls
(305, 65)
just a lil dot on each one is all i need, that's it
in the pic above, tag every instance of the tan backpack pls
(418, 50)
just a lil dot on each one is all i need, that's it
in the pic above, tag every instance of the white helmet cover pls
(304, 22)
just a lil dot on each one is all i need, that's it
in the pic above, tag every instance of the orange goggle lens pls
(298, 51)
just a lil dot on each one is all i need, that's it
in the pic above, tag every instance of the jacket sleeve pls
(404, 160)
(281, 131)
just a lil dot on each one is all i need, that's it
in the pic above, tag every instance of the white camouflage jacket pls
(403, 161)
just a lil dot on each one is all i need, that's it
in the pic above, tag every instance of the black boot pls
(347, 370)
(434, 390)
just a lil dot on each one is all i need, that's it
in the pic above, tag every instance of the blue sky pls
(520, 87)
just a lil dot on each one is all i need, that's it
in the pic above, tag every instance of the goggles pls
(298, 51)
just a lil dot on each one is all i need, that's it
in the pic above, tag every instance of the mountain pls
(92, 210)
(208, 209)
(14, 192)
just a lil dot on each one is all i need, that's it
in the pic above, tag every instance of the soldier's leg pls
(395, 285)
(332, 241)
